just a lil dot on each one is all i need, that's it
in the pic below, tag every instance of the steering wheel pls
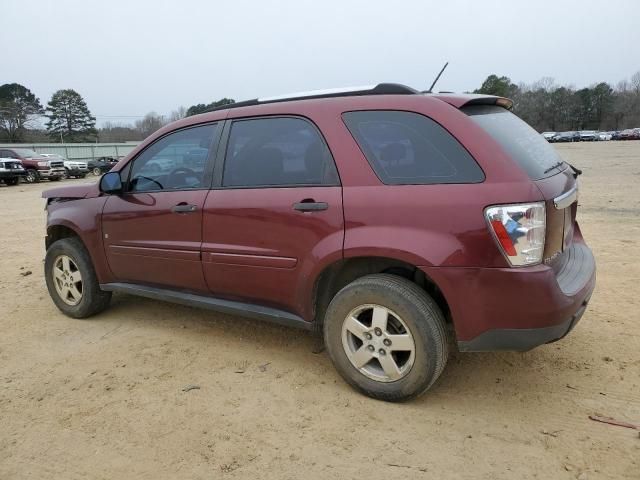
(181, 172)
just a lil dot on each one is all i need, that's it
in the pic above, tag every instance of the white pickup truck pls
(74, 168)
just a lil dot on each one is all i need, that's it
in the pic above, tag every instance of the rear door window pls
(521, 142)
(406, 148)
(282, 151)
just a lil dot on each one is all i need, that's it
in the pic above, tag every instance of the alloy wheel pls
(31, 177)
(67, 280)
(378, 343)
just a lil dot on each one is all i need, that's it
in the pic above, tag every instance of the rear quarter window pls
(406, 148)
(522, 143)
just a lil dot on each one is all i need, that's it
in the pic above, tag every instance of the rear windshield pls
(406, 148)
(528, 148)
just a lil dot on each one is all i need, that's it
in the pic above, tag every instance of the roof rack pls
(380, 89)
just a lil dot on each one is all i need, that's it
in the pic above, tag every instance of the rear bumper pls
(517, 308)
(521, 339)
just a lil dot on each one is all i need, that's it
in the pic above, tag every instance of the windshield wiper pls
(555, 165)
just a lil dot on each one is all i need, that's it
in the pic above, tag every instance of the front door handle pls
(184, 208)
(310, 206)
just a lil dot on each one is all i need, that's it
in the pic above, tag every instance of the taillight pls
(519, 231)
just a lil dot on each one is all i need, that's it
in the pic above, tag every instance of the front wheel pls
(97, 172)
(54, 179)
(12, 181)
(71, 279)
(32, 176)
(386, 337)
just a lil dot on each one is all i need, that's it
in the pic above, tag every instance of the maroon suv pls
(387, 219)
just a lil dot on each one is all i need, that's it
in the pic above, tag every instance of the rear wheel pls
(32, 176)
(12, 181)
(71, 279)
(386, 337)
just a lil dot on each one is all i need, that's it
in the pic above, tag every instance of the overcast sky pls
(127, 58)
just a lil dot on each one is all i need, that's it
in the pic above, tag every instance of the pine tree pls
(70, 118)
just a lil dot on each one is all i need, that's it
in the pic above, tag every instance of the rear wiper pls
(576, 171)
(555, 165)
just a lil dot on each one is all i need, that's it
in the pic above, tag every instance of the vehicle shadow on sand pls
(495, 374)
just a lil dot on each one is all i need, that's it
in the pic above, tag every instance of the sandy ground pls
(103, 398)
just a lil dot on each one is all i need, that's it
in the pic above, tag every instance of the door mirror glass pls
(111, 183)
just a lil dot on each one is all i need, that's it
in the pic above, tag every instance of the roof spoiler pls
(465, 100)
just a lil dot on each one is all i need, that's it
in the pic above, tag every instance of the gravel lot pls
(103, 398)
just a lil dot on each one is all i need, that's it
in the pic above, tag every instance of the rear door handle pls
(184, 208)
(306, 206)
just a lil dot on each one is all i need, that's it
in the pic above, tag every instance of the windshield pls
(526, 146)
(25, 152)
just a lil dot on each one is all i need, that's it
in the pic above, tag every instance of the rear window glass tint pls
(406, 148)
(277, 152)
(523, 144)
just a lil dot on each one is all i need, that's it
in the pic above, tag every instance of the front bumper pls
(517, 308)
(52, 173)
(11, 173)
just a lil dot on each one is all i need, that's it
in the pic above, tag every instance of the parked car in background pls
(101, 165)
(563, 137)
(36, 166)
(548, 136)
(627, 134)
(605, 136)
(588, 136)
(379, 217)
(615, 135)
(630, 134)
(11, 171)
(74, 168)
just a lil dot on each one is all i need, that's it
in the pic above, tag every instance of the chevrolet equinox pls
(386, 219)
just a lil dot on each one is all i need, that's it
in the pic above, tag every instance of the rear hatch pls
(555, 178)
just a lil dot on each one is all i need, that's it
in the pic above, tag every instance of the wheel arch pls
(58, 232)
(340, 273)
(90, 237)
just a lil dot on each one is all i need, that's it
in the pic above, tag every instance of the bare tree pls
(149, 124)
(178, 114)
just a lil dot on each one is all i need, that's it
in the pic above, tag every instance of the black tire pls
(32, 176)
(93, 299)
(97, 172)
(419, 312)
(54, 179)
(12, 181)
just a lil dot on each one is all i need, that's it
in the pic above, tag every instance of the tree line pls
(68, 119)
(545, 105)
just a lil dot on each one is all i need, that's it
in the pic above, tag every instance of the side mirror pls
(111, 183)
